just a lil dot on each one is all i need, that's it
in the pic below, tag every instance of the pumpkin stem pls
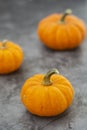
(46, 80)
(67, 12)
(4, 42)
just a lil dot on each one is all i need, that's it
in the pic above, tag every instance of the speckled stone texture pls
(18, 22)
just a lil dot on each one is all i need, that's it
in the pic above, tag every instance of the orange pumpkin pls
(47, 95)
(11, 57)
(61, 31)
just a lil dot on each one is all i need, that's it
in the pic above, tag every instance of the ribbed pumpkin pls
(61, 31)
(11, 57)
(47, 95)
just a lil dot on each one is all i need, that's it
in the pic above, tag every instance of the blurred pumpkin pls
(11, 57)
(61, 31)
(47, 95)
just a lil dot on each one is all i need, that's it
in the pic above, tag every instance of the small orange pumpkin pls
(61, 31)
(11, 57)
(47, 95)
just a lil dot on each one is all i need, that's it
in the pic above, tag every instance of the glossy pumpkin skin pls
(61, 35)
(11, 57)
(47, 100)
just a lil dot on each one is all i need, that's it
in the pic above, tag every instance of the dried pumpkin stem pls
(4, 42)
(46, 80)
(67, 12)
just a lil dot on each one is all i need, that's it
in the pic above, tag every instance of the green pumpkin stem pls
(67, 12)
(4, 42)
(46, 80)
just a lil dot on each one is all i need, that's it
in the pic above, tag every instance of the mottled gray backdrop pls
(18, 22)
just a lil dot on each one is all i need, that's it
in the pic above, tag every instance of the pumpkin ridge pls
(45, 34)
(71, 92)
(62, 94)
(76, 26)
(25, 92)
(59, 41)
(38, 77)
(67, 83)
(56, 37)
(13, 60)
(46, 95)
(29, 81)
(6, 61)
(80, 36)
(1, 54)
(34, 80)
(35, 92)
(80, 29)
(58, 109)
(64, 98)
(33, 85)
(53, 31)
(17, 56)
(75, 35)
(13, 54)
(54, 101)
(68, 33)
(1, 59)
(69, 37)
(16, 47)
(41, 31)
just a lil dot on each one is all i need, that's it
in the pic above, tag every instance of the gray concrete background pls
(18, 22)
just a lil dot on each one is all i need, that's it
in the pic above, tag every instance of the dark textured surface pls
(18, 22)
